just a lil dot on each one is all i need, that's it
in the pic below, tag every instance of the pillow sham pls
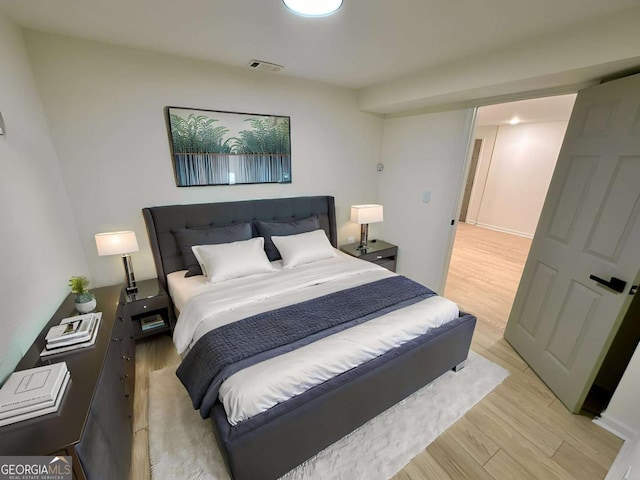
(281, 229)
(232, 260)
(304, 248)
(188, 237)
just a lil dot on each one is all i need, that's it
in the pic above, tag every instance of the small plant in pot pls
(85, 300)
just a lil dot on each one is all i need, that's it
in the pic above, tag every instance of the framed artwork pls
(210, 147)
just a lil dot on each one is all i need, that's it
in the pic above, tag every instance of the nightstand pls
(378, 251)
(149, 309)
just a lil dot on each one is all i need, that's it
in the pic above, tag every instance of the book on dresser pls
(72, 333)
(33, 392)
(71, 330)
(151, 322)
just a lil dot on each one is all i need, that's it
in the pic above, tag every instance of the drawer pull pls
(378, 257)
(118, 339)
(122, 377)
(124, 357)
(144, 306)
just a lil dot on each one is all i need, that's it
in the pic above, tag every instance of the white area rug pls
(182, 445)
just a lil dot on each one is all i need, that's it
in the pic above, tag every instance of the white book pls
(43, 411)
(32, 386)
(87, 330)
(71, 328)
(55, 351)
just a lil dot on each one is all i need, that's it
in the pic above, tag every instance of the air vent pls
(266, 66)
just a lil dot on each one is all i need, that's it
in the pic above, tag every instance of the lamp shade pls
(366, 213)
(116, 243)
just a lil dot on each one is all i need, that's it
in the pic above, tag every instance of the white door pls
(563, 322)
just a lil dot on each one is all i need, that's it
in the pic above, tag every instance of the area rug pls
(182, 445)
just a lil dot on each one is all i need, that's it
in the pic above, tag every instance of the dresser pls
(94, 422)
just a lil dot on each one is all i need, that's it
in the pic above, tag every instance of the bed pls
(280, 434)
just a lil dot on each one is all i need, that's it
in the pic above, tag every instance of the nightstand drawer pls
(379, 252)
(386, 263)
(376, 257)
(147, 305)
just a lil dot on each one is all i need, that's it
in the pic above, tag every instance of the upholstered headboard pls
(162, 220)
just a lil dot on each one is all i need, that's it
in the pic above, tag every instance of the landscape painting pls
(224, 148)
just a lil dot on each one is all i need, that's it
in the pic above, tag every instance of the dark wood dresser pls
(94, 422)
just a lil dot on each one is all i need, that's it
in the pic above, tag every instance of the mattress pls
(257, 388)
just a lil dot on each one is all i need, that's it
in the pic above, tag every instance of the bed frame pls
(272, 448)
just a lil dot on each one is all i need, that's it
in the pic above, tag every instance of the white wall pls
(622, 417)
(622, 414)
(105, 110)
(521, 166)
(422, 153)
(39, 243)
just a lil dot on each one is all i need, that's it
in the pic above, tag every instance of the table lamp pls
(120, 243)
(364, 215)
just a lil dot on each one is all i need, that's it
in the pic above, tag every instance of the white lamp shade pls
(366, 213)
(116, 243)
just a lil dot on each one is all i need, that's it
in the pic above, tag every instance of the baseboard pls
(615, 427)
(504, 230)
(620, 466)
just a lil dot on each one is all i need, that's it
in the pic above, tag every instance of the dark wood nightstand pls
(149, 309)
(378, 251)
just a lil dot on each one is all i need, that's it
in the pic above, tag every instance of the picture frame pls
(214, 147)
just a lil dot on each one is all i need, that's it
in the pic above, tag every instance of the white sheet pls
(182, 289)
(259, 387)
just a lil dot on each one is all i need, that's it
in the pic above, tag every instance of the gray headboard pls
(162, 220)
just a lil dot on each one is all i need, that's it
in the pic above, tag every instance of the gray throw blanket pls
(229, 348)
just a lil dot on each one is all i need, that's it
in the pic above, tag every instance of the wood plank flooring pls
(519, 431)
(485, 271)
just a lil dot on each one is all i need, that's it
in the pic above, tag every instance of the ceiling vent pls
(266, 66)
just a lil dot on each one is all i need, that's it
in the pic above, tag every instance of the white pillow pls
(304, 248)
(232, 260)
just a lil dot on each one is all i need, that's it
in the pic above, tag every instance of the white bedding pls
(259, 387)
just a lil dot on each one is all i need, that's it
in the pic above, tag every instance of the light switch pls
(426, 196)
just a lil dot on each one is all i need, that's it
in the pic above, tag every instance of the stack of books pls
(73, 333)
(31, 393)
(151, 322)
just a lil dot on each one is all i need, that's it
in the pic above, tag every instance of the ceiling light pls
(514, 121)
(313, 8)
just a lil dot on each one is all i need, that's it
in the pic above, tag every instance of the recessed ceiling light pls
(514, 121)
(313, 8)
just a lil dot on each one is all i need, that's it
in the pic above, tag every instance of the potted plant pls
(85, 300)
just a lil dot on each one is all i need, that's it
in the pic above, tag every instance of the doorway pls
(514, 152)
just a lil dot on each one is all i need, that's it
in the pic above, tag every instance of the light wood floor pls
(519, 431)
(485, 271)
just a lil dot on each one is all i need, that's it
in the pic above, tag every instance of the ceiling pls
(367, 42)
(548, 109)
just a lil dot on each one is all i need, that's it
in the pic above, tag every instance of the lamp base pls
(364, 236)
(128, 272)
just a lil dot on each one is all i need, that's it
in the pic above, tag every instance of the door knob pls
(615, 284)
